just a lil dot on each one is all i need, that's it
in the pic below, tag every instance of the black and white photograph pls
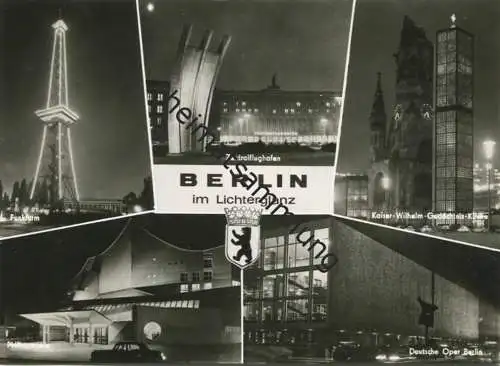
(418, 147)
(330, 289)
(74, 141)
(249, 85)
(143, 289)
(261, 80)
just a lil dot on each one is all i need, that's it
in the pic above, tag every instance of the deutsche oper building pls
(371, 295)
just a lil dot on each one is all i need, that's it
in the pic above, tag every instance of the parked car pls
(127, 352)
(352, 351)
(463, 229)
(479, 230)
(394, 354)
(426, 229)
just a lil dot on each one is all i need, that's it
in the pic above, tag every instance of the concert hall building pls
(370, 295)
(185, 303)
(276, 116)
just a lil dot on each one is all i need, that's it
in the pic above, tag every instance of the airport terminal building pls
(276, 116)
(146, 290)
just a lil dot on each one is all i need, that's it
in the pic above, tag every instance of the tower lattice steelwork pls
(55, 168)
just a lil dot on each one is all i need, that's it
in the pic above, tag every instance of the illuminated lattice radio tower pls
(55, 164)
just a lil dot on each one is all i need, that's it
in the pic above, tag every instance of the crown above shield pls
(243, 215)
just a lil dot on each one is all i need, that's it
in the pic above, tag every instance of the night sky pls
(376, 35)
(304, 42)
(110, 141)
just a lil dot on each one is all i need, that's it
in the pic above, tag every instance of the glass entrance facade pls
(285, 289)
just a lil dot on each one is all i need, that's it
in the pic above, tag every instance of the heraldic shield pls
(242, 235)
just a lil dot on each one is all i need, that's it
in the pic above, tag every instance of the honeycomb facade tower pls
(192, 84)
(454, 122)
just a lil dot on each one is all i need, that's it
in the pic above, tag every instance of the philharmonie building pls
(370, 296)
(143, 289)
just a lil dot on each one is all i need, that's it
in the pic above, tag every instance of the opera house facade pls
(371, 295)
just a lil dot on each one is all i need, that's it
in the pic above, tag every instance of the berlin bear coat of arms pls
(243, 235)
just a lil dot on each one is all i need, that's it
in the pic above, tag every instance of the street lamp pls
(218, 133)
(240, 120)
(386, 185)
(489, 150)
(246, 116)
(324, 122)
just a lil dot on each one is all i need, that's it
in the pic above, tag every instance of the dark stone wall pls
(373, 288)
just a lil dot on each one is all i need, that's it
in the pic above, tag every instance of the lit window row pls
(358, 197)
(278, 254)
(298, 104)
(157, 304)
(159, 109)
(243, 110)
(185, 287)
(357, 212)
(292, 284)
(208, 260)
(159, 97)
(195, 276)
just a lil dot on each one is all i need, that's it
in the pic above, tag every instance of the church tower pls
(378, 120)
(411, 130)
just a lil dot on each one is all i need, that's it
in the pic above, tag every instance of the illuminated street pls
(303, 362)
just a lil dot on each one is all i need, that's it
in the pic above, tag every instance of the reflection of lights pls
(150, 7)
(488, 166)
(137, 208)
(240, 120)
(246, 116)
(323, 121)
